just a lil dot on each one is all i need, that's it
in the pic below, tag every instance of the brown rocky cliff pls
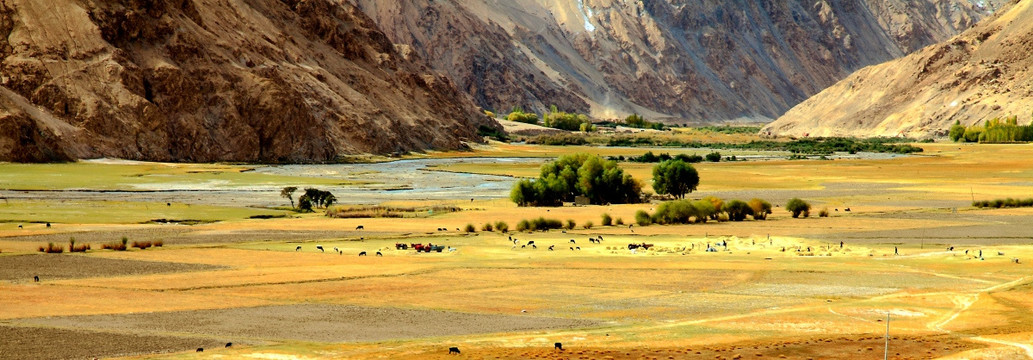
(215, 80)
(684, 60)
(981, 74)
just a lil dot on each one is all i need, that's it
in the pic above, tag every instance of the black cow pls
(297, 248)
(453, 350)
(551, 247)
(320, 248)
(360, 227)
(362, 253)
(48, 225)
(572, 241)
(379, 254)
(559, 346)
(530, 243)
(229, 344)
(35, 278)
(200, 349)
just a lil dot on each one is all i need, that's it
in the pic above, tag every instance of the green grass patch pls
(139, 176)
(118, 212)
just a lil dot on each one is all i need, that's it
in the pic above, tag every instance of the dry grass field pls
(780, 288)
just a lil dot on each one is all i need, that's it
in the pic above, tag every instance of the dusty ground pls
(22, 268)
(53, 343)
(312, 323)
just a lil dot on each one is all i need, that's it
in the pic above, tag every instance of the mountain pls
(981, 74)
(679, 60)
(215, 80)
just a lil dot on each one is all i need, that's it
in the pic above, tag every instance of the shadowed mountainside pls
(215, 80)
(981, 74)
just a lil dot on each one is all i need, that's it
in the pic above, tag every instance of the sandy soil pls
(312, 322)
(19, 343)
(22, 268)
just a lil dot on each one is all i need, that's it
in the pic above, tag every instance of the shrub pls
(738, 210)
(571, 224)
(487, 227)
(543, 224)
(718, 205)
(714, 157)
(159, 243)
(620, 221)
(607, 220)
(824, 212)
(761, 209)
(470, 228)
(502, 226)
(1003, 203)
(588, 225)
(73, 248)
(642, 218)
(519, 115)
(142, 244)
(51, 249)
(117, 246)
(798, 207)
(523, 225)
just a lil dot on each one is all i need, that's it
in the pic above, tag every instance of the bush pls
(566, 121)
(588, 225)
(642, 218)
(142, 244)
(824, 212)
(117, 246)
(714, 157)
(798, 207)
(487, 227)
(620, 221)
(570, 224)
(1003, 203)
(502, 226)
(519, 115)
(543, 224)
(957, 131)
(51, 249)
(523, 225)
(607, 220)
(73, 248)
(761, 209)
(737, 210)
(470, 228)
(159, 243)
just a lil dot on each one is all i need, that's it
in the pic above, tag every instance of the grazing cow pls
(523, 246)
(336, 250)
(320, 248)
(35, 278)
(48, 225)
(847, 209)
(572, 241)
(600, 239)
(571, 248)
(200, 349)
(168, 204)
(511, 238)
(559, 346)
(530, 243)
(551, 247)
(379, 254)
(229, 344)
(297, 248)
(533, 246)
(20, 226)
(360, 227)
(577, 248)
(362, 253)
(453, 350)
(401, 246)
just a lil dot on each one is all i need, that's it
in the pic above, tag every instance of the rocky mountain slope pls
(211, 80)
(983, 73)
(676, 59)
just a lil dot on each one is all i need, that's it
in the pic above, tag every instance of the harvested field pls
(312, 323)
(181, 235)
(68, 266)
(21, 343)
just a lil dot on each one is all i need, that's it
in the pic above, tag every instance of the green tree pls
(642, 218)
(737, 210)
(798, 207)
(602, 181)
(957, 131)
(518, 115)
(607, 220)
(761, 209)
(675, 177)
(305, 203)
(288, 193)
(329, 200)
(714, 156)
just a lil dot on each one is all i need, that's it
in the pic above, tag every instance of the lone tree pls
(288, 192)
(798, 207)
(761, 209)
(675, 177)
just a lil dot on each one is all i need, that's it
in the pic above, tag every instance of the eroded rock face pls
(215, 80)
(695, 61)
(981, 74)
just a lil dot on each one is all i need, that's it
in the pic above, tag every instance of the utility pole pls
(886, 354)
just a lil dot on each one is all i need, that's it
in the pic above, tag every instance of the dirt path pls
(965, 301)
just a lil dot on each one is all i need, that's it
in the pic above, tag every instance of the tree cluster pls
(601, 181)
(993, 131)
(637, 121)
(568, 121)
(311, 198)
(703, 210)
(518, 115)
